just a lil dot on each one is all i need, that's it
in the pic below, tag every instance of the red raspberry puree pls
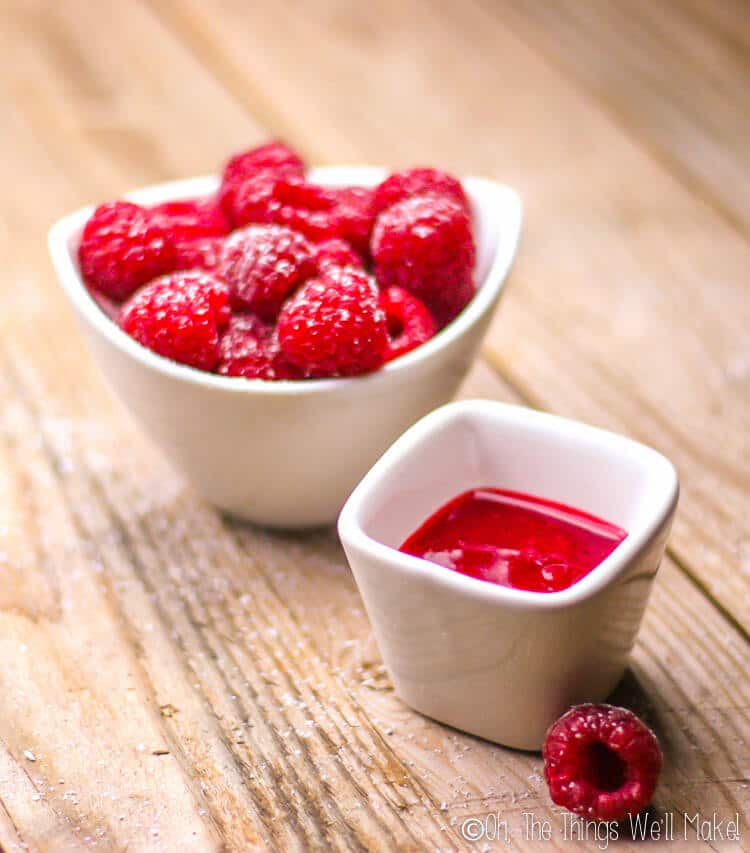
(514, 540)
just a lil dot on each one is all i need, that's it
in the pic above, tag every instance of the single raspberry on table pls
(337, 253)
(201, 254)
(273, 157)
(334, 326)
(180, 316)
(123, 247)
(192, 219)
(601, 762)
(424, 244)
(409, 321)
(249, 347)
(263, 264)
(418, 181)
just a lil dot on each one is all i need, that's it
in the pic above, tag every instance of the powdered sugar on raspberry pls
(263, 264)
(179, 316)
(334, 326)
(292, 259)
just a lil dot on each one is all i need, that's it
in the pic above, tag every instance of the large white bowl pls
(287, 454)
(498, 662)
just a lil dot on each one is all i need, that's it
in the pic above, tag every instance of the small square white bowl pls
(497, 662)
(288, 454)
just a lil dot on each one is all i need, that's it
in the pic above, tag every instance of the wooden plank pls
(674, 73)
(628, 306)
(202, 602)
(140, 622)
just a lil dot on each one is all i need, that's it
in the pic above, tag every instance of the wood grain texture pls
(674, 74)
(174, 681)
(629, 300)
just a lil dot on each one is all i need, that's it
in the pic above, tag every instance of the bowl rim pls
(353, 535)
(508, 202)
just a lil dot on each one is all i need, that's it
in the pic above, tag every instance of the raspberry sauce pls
(514, 540)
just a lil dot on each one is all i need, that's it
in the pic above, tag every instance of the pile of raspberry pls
(275, 277)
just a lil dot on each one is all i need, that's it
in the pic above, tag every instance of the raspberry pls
(186, 221)
(424, 244)
(273, 157)
(284, 200)
(420, 181)
(201, 254)
(263, 264)
(337, 253)
(249, 348)
(601, 762)
(179, 316)
(122, 247)
(317, 212)
(334, 326)
(353, 217)
(409, 321)
(196, 229)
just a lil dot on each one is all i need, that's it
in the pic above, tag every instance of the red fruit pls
(274, 157)
(284, 200)
(333, 326)
(201, 254)
(179, 316)
(263, 264)
(420, 181)
(190, 220)
(337, 253)
(353, 217)
(196, 228)
(425, 245)
(250, 348)
(409, 321)
(601, 762)
(317, 212)
(122, 247)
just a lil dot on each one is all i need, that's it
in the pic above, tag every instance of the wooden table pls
(173, 681)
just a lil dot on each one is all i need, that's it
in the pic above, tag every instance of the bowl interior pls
(482, 443)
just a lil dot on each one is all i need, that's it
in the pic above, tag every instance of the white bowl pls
(287, 454)
(497, 662)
